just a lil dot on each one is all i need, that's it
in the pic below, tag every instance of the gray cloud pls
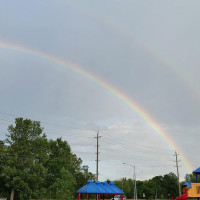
(147, 51)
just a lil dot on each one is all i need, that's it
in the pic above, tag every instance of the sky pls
(128, 69)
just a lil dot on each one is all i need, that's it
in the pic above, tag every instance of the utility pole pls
(97, 160)
(179, 187)
(134, 181)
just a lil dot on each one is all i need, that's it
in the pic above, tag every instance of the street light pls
(134, 181)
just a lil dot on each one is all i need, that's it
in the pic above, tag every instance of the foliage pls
(23, 167)
(82, 176)
(158, 185)
(170, 184)
(4, 191)
(190, 177)
(59, 157)
(65, 186)
(34, 168)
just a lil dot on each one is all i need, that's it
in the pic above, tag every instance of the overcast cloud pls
(147, 50)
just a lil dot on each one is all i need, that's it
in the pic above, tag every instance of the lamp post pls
(134, 181)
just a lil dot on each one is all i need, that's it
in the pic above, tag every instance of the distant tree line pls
(33, 167)
(159, 187)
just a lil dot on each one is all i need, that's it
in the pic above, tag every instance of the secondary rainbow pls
(133, 105)
(184, 76)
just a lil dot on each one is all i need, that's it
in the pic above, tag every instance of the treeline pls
(159, 187)
(33, 167)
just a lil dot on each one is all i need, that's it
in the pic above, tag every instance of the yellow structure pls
(194, 191)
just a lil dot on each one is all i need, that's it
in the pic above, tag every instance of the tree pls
(23, 170)
(149, 189)
(129, 187)
(190, 177)
(158, 185)
(158, 182)
(31, 167)
(61, 158)
(82, 176)
(4, 192)
(65, 186)
(170, 185)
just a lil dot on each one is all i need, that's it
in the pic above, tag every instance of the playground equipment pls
(194, 191)
(191, 190)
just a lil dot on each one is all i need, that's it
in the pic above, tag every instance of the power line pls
(45, 122)
(122, 140)
(114, 141)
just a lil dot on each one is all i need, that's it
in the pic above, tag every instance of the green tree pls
(31, 167)
(61, 158)
(158, 182)
(23, 170)
(4, 191)
(82, 175)
(158, 185)
(190, 177)
(140, 189)
(64, 185)
(170, 185)
(149, 189)
(130, 188)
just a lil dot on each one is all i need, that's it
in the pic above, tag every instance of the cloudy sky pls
(126, 68)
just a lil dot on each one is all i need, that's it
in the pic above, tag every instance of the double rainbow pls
(129, 102)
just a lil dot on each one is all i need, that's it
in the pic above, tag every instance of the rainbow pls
(181, 74)
(129, 102)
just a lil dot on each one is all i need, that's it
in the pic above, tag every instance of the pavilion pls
(99, 189)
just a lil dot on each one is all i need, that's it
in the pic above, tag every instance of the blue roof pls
(187, 184)
(90, 187)
(197, 171)
(102, 189)
(115, 188)
(107, 187)
(98, 188)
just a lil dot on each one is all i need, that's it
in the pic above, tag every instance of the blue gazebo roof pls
(107, 187)
(104, 190)
(98, 188)
(90, 187)
(115, 188)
